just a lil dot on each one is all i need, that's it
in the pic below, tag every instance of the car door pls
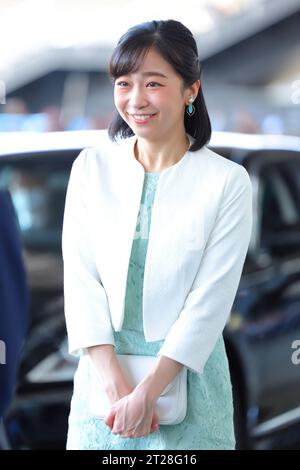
(275, 317)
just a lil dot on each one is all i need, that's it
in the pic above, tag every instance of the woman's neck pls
(156, 156)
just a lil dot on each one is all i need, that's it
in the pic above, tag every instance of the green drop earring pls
(191, 108)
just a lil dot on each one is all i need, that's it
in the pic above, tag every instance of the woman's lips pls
(142, 118)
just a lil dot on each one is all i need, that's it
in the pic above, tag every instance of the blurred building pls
(54, 60)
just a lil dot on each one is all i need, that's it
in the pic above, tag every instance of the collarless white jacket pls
(199, 235)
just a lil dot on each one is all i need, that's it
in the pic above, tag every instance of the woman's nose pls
(137, 98)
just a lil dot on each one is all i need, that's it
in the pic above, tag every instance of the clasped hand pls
(132, 416)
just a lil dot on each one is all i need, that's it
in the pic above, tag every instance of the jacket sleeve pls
(206, 310)
(86, 306)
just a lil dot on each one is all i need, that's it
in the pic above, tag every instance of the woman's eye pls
(122, 84)
(153, 84)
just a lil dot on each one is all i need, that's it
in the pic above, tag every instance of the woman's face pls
(151, 100)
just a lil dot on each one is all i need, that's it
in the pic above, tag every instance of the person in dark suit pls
(14, 300)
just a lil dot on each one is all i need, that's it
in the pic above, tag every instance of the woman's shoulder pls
(221, 166)
(217, 160)
(225, 177)
(104, 152)
(103, 146)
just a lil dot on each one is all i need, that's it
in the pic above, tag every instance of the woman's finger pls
(154, 426)
(109, 420)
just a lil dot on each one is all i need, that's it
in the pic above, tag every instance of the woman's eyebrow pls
(149, 74)
(154, 73)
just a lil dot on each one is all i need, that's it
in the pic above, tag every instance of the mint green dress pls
(209, 420)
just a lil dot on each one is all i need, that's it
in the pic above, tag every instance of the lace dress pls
(209, 420)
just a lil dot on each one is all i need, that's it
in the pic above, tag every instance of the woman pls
(154, 189)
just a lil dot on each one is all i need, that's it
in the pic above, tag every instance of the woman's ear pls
(195, 88)
(192, 91)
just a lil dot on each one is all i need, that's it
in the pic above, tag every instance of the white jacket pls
(199, 235)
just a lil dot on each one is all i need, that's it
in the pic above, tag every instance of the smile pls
(142, 118)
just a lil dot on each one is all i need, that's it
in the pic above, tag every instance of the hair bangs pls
(126, 60)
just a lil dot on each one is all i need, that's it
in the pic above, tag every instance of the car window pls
(38, 189)
(291, 169)
(280, 209)
(278, 205)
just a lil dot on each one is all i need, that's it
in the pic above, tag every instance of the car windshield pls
(38, 189)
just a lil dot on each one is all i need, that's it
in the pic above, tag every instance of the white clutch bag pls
(170, 407)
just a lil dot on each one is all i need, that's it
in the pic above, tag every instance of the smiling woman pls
(152, 102)
(164, 291)
(156, 73)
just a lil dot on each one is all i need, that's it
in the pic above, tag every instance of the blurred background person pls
(13, 302)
